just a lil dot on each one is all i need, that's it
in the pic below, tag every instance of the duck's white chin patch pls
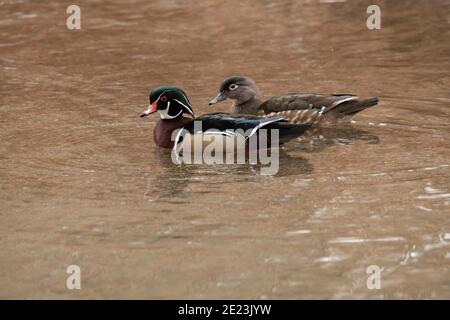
(164, 114)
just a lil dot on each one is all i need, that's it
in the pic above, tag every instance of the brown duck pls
(294, 107)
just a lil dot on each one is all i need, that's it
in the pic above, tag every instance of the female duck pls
(294, 107)
(172, 104)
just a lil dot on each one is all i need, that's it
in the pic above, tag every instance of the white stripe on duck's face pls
(187, 107)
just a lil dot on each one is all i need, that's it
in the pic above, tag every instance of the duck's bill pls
(151, 109)
(219, 98)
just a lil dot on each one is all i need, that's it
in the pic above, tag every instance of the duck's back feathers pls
(301, 101)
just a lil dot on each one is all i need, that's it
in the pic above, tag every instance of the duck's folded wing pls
(340, 105)
(226, 122)
(305, 101)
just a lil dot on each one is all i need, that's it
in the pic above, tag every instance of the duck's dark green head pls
(170, 102)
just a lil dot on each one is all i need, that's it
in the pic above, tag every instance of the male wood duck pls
(172, 104)
(294, 107)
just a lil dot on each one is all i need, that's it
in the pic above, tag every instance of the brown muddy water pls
(81, 182)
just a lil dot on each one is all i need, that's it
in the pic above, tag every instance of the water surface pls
(82, 183)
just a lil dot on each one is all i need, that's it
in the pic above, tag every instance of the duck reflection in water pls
(175, 181)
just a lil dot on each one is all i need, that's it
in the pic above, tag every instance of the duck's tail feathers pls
(353, 107)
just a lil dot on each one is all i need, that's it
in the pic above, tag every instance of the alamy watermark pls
(374, 280)
(74, 280)
(73, 21)
(374, 20)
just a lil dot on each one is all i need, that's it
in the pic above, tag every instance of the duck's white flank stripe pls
(175, 146)
(262, 124)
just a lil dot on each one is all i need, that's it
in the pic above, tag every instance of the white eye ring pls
(233, 86)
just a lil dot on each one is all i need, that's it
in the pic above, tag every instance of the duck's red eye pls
(163, 98)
